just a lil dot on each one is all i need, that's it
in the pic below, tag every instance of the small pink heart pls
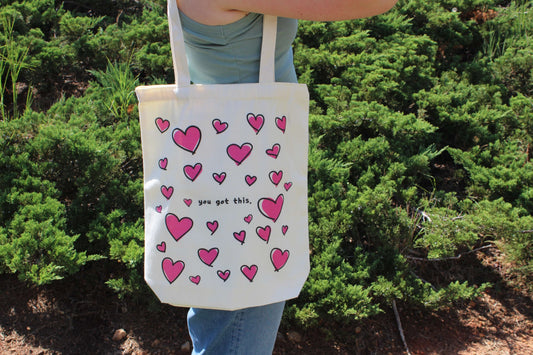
(256, 121)
(187, 201)
(172, 270)
(240, 236)
(248, 218)
(192, 172)
(284, 229)
(271, 208)
(281, 123)
(219, 177)
(238, 153)
(275, 177)
(167, 191)
(223, 274)
(159, 208)
(189, 139)
(162, 247)
(195, 279)
(208, 256)
(264, 233)
(162, 125)
(250, 179)
(178, 227)
(249, 271)
(279, 258)
(274, 152)
(212, 226)
(163, 163)
(287, 186)
(219, 126)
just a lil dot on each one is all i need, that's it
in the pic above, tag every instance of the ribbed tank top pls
(230, 53)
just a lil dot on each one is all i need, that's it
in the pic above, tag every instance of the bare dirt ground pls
(81, 316)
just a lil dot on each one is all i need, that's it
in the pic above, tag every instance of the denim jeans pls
(242, 332)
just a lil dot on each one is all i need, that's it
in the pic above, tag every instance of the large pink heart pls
(279, 258)
(271, 208)
(256, 121)
(188, 139)
(172, 269)
(249, 271)
(238, 153)
(264, 233)
(275, 176)
(178, 227)
(208, 256)
(167, 191)
(192, 172)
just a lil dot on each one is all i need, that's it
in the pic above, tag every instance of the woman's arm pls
(218, 12)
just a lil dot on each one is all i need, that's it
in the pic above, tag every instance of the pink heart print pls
(172, 270)
(238, 153)
(162, 125)
(275, 177)
(162, 247)
(219, 177)
(167, 191)
(188, 139)
(212, 226)
(284, 229)
(248, 218)
(287, 185)
(271, 208)
(264, 233)
(159, 208)
(163, 163)
(274, 152)
(195, 279)
(187, 201)
(219, 126)
(250, 179)
(178, 227)
(240, 236)
(192, 172)
(223, 274)
(249, 271)
(281, 123)
(256, 121)
(208, 257)
(279, 258)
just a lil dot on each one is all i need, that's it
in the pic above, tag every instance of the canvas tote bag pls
(225, 185)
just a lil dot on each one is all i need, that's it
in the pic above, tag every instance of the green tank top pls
(230, 53)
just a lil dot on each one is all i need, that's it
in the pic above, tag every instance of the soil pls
(80, 315)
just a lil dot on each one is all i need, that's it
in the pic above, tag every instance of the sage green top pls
(230, 53)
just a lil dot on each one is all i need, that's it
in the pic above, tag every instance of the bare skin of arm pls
(221, 12)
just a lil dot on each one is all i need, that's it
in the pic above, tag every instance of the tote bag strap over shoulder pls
(177, 44)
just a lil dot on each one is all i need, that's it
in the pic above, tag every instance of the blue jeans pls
(242, 332)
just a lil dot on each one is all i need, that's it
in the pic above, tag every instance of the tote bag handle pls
(177, 44)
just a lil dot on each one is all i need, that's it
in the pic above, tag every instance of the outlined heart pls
(271, 208)
(187, 201)
(192, 172)
(281, 123)
(249, 271)
(219, 126)
(279, 258)
(172, 270)
(287, 185)
(162, 124)
(238, 153)
(250, 180)
(159, 208)
(274, 151)
(284, 229)
(195, 279)
(240, 236)
(163, 163)
(178, 227)
(275, 176)
(167, 191)
(189, 139)
(162, 247)
(223, 274)
(208, 257)
(212, 226)
(219, 177)
(248, 218)
(264, 233)
(256, 121)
